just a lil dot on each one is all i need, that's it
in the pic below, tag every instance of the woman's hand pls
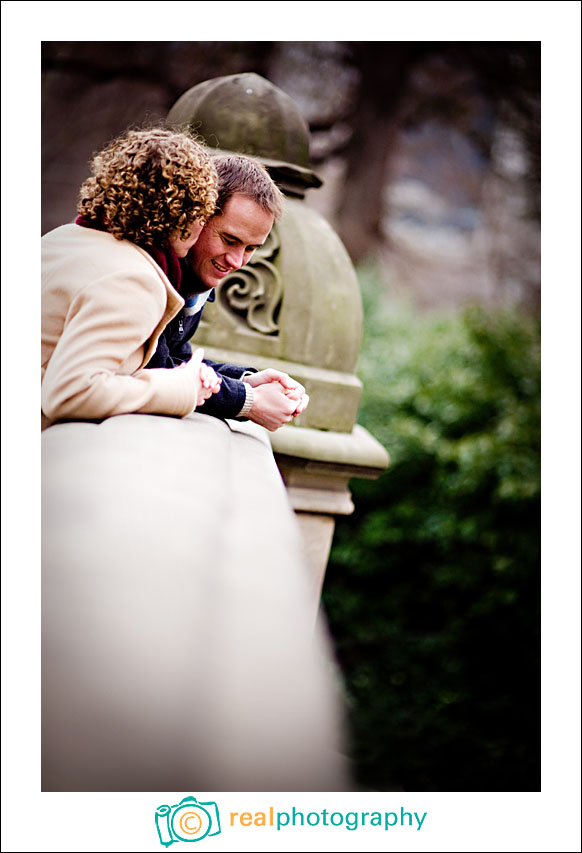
(207, 381)
(210, 383)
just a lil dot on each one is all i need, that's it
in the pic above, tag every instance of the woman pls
(110, 281)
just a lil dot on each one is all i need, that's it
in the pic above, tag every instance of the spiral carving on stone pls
(255, 292)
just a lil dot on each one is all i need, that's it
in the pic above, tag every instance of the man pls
(248, 204)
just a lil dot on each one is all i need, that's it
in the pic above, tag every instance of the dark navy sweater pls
(174, 348)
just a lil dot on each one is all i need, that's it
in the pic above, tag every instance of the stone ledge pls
(262, 361)
(171, 559)
(335, 396)
(319, 500)
(357, 453)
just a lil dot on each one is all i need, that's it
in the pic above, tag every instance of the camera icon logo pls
(189, 820)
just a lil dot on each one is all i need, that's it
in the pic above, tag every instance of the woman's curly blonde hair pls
(150, 185)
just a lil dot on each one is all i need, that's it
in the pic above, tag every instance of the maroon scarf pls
(166, 258)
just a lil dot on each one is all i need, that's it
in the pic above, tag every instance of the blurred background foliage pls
(432, 588)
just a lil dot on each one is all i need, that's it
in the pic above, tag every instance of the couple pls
(160, 224)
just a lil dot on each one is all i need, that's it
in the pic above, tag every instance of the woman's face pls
(181, 246)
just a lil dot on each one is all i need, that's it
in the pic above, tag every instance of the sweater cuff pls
(248, 404)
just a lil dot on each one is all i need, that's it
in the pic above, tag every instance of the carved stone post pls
(296, 306)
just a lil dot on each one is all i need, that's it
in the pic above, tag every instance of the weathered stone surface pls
(358, 452)
(248, 114)
(316, 467)
(317, 531)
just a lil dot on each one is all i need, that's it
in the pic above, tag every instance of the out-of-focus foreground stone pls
(178, 644)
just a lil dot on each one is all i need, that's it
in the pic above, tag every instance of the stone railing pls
(178, 624)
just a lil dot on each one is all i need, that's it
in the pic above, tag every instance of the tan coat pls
(104, 304)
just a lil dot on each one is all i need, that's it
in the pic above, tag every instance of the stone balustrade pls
(180, 644)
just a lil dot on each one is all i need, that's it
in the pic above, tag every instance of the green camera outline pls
(165, 814)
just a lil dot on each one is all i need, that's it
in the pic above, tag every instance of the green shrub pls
(432, 588)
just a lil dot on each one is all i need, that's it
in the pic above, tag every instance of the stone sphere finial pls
(247, 114)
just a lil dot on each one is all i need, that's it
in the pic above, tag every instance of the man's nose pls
(235, 256)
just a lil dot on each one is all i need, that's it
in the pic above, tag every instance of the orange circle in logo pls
(190, 823)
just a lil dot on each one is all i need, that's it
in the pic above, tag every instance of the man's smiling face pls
(229, 239)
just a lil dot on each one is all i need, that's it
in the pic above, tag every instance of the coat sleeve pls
(107, 324)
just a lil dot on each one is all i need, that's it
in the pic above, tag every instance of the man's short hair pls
(240, 174)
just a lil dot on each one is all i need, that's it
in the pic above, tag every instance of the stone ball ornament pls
(247, 114)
